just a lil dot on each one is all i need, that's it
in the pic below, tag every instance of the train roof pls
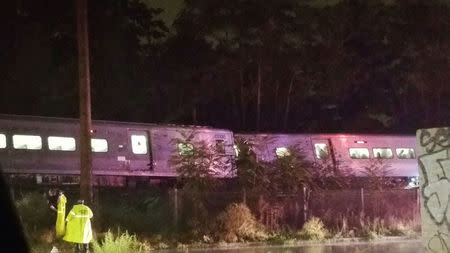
(329, 134)
(72, 120)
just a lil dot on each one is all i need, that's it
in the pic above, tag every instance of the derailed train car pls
(353, 151)
(47, 149)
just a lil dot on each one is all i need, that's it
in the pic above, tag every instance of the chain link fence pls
(338, 209)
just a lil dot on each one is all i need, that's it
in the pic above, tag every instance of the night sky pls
(247, 65)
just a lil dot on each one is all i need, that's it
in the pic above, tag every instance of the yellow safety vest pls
(78, 228)
(60, 223)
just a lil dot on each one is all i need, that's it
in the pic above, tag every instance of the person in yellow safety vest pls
(78, 229)
(61, 215)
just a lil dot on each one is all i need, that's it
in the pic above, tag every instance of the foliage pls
(376, 172)
(313, 229)
(34, 213)
(281, 65)
(281, 238)
(120, 243)
(291, 172)
(288, 173)
(237, 223)
(200, 166)
(251, 173)
(142, 211)
(331, 174)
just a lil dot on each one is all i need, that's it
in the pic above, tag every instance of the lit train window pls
(236, 150)
(383, 153)
(99, 145)
(405, 153)
(185, 149)
(282, 152)
(2, 141)
(321, 150)
(139, 144)
(220, 146)
(359, 153)
(61, 143)
(33, 142)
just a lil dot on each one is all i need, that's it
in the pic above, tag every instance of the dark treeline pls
(246, 65)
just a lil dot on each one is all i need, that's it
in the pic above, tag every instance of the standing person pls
(52, 199)
(78, 228)
(61, 214)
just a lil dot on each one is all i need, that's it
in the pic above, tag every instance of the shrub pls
(34, 213)
(314, 229)
(143, 211)
(399, 227)
(237, 223)
(280, 239)
(122, 243)
(370, 234)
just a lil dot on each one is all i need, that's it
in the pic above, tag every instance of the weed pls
(237, 223)
(120, 243)
(314, 229)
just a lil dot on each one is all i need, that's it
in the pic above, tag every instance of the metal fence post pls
(305, 207)
(362, 200)
(418, 201)
(175, 208)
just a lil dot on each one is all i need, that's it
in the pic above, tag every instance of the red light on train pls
(360, 142)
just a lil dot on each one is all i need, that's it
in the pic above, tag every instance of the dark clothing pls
(52, 200)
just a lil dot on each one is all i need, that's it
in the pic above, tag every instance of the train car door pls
(141, 155)
(323, 151)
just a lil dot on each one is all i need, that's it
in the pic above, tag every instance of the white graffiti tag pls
(437, 185)
(439, 243)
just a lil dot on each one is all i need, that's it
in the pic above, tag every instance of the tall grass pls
(237, 223)
(120, 243)
(314, 229)
(145, 212)
(35, 215)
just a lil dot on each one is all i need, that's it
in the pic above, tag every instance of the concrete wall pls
(433, 154)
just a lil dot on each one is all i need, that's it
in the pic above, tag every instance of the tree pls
(199, 165)
(291, 172)
(377, 172)
(252, 174)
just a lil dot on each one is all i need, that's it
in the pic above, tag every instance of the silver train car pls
(353, 151)
(47, 149)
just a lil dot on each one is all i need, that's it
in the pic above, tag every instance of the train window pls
(220, 146)
(61, 143)
(236, 150)
(185, 149)
(2, 141)
(282, 152)
(139, 144)
(383, 153)
(359, 153)
(321, 150)
(405, 153)
(33, 142)
(99, 145)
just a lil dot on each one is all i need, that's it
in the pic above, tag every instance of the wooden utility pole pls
(85, 102)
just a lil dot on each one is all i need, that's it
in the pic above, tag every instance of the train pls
(45, 150)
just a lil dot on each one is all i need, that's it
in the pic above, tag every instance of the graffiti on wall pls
(434, 163)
